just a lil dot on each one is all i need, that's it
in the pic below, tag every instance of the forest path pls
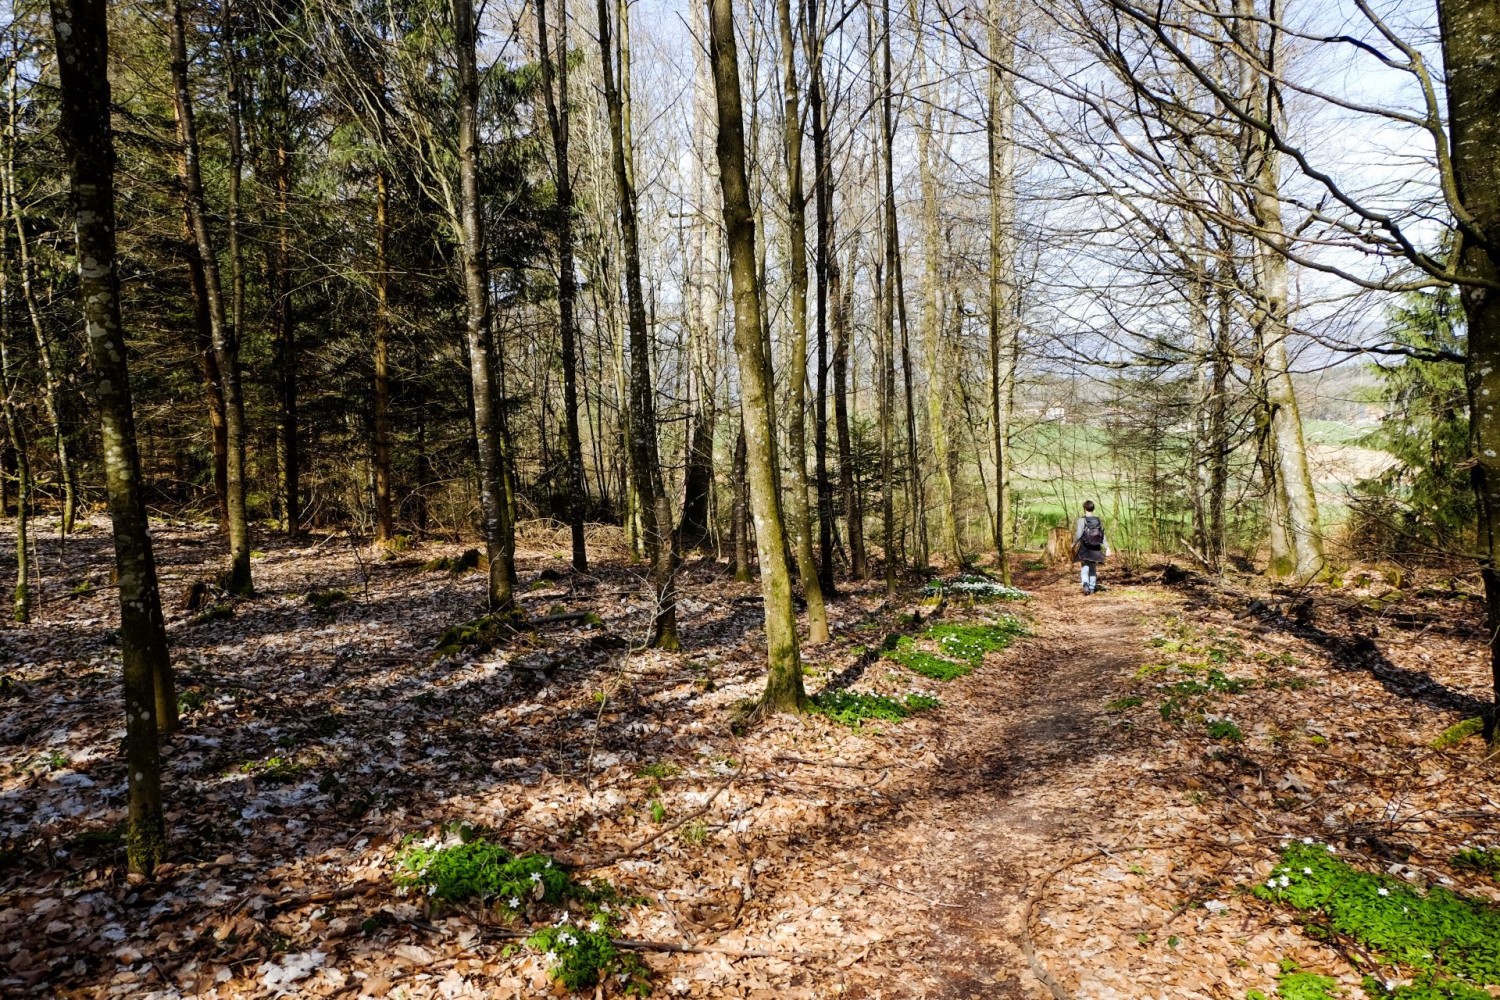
(1026, 750)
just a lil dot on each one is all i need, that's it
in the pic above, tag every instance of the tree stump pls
(1060, 546)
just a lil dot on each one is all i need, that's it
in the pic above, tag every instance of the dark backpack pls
(1093, 533)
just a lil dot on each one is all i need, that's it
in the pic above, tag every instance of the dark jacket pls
(1089, 553)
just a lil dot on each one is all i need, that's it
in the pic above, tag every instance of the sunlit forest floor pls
(1083, 815)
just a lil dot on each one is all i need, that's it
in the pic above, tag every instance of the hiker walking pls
(1089, 547)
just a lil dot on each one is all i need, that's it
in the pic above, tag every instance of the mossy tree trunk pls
(1004, 337)
(1303, 559)
(796, 204)
(784, 691)
(82, 39)
(1469, 29)
(933, 316)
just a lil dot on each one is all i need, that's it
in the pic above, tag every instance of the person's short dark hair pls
(1088, 505)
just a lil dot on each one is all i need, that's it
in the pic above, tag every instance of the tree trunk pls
(824, 268)
(82, 49)
(208, 360)
(933, 316)
(1473, 77)
(498, 529)
(854, 517)
(784, 690)
(14, 429)
(285, 316)
(567, 286)
(697, 528)
(1004, 337)
(887, 319)
(796, 489)
(739, 513)
(1299, 505)
(51, 388)
(385, 518)
(223, 332)
(656, 507)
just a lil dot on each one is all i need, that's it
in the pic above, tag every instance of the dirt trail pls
(1011, 784)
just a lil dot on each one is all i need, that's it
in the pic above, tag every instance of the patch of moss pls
(1456, 734)
(479, 635)
(214, 613)
(468, 562)
(324, 600)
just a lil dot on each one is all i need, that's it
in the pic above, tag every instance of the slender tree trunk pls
(82, 42)
(739, 514)
(646, 465)
(1004, 338)
(784, 690)
(859, 566)
(824, 268)
(16, 431)
(1263, 169)
(567, 287)
(51, 388)
(223, 332)
(1473, 78)
(385, 519)
(697, 528)
(796, 489)
(887, 319)
(285, 313)
(1200, 329)
(933, 316)
(493, 503)
(208, 360)
(916, 500)
(1218, 423)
